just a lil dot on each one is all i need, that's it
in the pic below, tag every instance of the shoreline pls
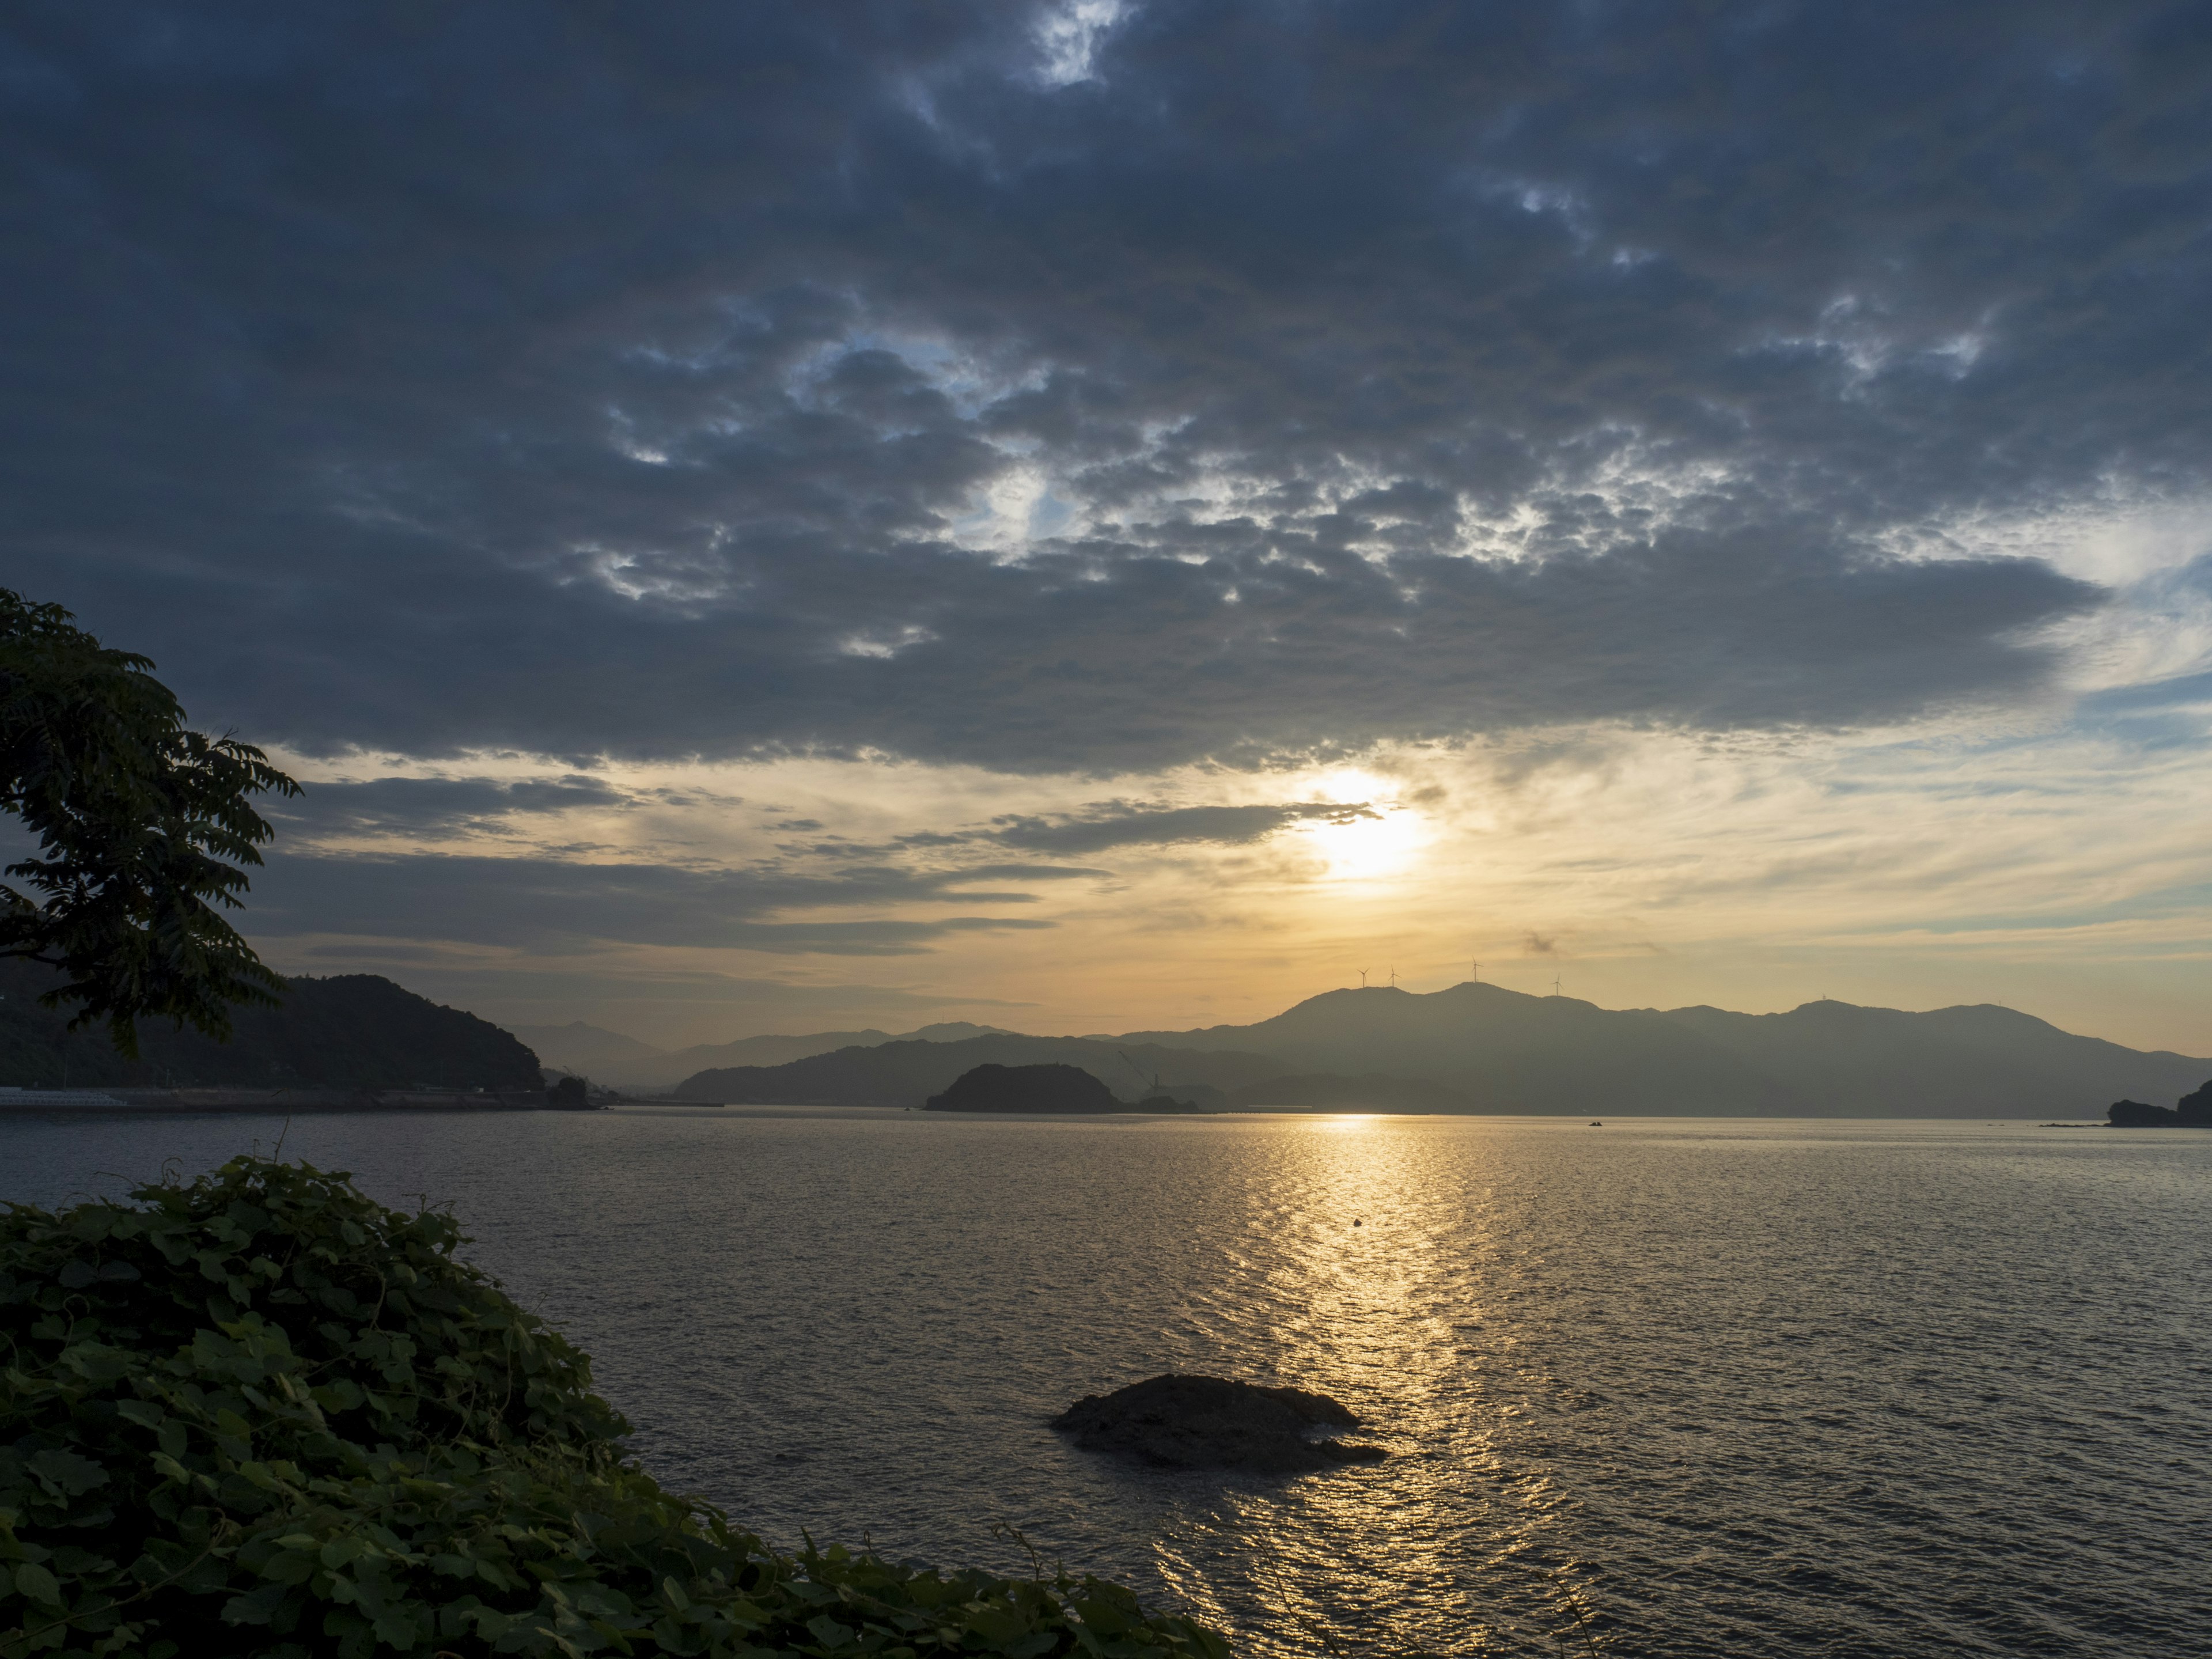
(111, 1102)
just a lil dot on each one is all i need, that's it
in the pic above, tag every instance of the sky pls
(1111, 513)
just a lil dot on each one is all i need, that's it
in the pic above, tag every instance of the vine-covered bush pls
(257, 1415)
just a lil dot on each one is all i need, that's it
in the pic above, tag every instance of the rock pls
(1211, 1422)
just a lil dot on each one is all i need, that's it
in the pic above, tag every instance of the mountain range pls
(1476, 1047)
(624, 1062)
(907, 1072)
(1470, 1048)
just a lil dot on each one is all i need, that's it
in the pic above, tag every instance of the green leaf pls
(36, 1584)
(256, 1607)
(64, 1473)
(395, 1627)
(339, 1552)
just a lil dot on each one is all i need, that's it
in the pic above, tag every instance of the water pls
(1716, 1387)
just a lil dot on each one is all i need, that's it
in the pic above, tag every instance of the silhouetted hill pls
(1974, 1060)
(907, 1073)
(353, 1031)
(609, 1057)
(1506, 1052)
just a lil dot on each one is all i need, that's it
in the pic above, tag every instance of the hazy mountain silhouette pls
(1505, 1051)
(1484, 1049)
(609, 1057)
(907, 1072)
(589, 1050)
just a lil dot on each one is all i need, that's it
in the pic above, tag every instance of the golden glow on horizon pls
(1647, 872)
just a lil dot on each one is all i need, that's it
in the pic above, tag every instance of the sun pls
(1367, 848)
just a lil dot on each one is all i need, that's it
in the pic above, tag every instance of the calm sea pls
(1685, 1387)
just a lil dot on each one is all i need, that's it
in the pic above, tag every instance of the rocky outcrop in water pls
(2192, 1111)
(1025, 1089)
(1213, 1422)
(2140, 1114)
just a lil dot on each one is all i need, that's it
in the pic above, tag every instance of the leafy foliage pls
(144, 826)
(256, 1415)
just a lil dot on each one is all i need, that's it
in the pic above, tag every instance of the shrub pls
(257, 1415)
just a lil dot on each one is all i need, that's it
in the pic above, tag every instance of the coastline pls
(286, 1102)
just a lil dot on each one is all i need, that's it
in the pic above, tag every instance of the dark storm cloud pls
(584, 381)
(549, 903)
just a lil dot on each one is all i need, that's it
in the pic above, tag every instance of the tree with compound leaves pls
(145, 827)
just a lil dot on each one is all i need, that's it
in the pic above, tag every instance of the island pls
(1047, 1088)
(2192, 1111)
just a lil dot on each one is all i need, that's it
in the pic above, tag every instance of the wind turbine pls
(1393, 979)
(1363, 978)
(1555, 984)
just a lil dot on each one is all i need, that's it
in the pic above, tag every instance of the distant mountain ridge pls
(907, 1073)
(609, 1057)
(1509, 1052)
(1483, 1048)
(587, 1050)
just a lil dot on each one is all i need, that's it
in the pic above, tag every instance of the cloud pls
(408, 907)
(657, 990)
(1086, 389)
(544, 903)
(436, 809)
(1534, 944)
(1098, 827)
(1111, 827)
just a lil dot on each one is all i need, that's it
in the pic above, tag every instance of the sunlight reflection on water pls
(1734, 1387)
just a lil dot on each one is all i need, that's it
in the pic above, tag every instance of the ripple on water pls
(1718, 1386)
